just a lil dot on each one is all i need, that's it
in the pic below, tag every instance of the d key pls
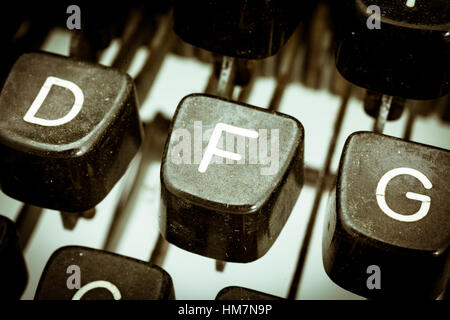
(68, 130)
(229, 202)
(387, 234)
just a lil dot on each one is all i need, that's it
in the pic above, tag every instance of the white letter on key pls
(79, 99)
(212, 149)
(425, 200)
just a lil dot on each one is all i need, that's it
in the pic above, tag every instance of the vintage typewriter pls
(225, 150)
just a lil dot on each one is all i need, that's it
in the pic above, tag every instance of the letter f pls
(212, 145)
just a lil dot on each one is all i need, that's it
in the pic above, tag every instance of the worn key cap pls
(387, 234)
(216, 207)
(399, 48)
(13, 271)
(240, 293)
(243, 29)
(80, 273)
(68, 130)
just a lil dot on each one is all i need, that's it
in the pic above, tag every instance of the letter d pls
(49, 82)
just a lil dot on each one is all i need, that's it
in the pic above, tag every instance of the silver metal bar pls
(383, 113)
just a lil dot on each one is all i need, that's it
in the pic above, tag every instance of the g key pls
(387, 234)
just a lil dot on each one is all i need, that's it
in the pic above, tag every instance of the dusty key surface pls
(68, 130)
(214, 206)
(79, 273)
(387, 233)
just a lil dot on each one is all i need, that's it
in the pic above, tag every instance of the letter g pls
(426, 201)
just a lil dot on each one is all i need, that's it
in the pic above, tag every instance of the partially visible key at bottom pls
(240, 293)
(75, 273)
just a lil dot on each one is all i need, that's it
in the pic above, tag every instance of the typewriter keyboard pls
(137, 218)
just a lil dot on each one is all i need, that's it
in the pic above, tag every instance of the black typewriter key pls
(245, 29)
(403, 51)
(240, 293)
(229, 201)
(13, 271)
(80, 273)
(387, 233)
(68, 131)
